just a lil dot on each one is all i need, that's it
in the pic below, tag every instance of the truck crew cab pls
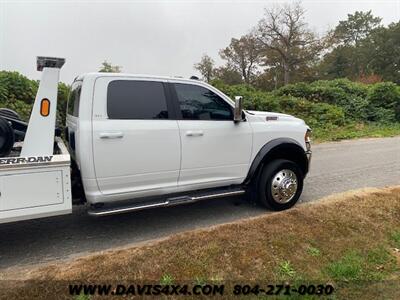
(139, 141)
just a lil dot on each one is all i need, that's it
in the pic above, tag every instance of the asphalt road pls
(336, 167)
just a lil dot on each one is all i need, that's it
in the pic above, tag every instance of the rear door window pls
(135, 99)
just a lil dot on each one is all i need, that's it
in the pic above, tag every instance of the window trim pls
(177, 107)
(167, 94)
(79, 84)
(173, 113)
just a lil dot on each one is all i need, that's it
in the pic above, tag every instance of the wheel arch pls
(281, 148)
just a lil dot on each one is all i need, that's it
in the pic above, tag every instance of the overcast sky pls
(146, 37)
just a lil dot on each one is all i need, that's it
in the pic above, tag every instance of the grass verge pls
(350, 240)
(354, 130)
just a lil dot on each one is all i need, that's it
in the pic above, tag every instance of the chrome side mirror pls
(238, 117)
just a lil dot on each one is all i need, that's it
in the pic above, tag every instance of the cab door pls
(215, 150)
(136, 141)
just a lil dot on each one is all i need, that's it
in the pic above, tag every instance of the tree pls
(384, 58)
(352, 34)
(266, 81)
(242, 55)
(228, 75)
(107, 67)
(356, 28)
(284, 35)
(338, 63)
(362, 48)
(206, 67)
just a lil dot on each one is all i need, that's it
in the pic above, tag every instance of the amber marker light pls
(45, 107)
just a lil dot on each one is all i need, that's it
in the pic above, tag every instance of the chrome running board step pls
(190, 199)
(183, 199)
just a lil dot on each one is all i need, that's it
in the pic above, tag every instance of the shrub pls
(350, 96)
(349, 87)
(18, 93)
(62, 96)
(15, 86)
(300, 90)
(384, 102)
(315, 114)
(253, 99)
(355, 108)
(330, 91)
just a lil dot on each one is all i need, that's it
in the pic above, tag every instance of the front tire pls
(280, 184)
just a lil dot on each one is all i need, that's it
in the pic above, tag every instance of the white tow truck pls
(138, 142)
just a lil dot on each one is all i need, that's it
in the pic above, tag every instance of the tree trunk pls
(244, 75)
(286, 73)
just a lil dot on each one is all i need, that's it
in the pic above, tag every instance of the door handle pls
(111, 135)
(195, 133)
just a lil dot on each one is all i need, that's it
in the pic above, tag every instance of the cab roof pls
(144, 76)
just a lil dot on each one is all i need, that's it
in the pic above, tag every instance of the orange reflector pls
(45, 107)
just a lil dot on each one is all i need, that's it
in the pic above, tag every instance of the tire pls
(6, 112)
(280, 184)
(7, 137)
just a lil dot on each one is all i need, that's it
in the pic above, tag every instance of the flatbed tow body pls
(35, 179)
(35, 186)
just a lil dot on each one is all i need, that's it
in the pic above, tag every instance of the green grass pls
(313, 251)
(354, 130)
(166, 279)
(358, 273)
(286, 269)
(378, 256)
(395, 238)
(82, 297)
(349, 267)
(200, 281)
(355, 265)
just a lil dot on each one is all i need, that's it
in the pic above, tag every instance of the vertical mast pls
(39, 138)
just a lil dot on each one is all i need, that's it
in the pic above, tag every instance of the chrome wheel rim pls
(284, 186)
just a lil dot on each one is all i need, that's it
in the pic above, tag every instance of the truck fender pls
(284, 148)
